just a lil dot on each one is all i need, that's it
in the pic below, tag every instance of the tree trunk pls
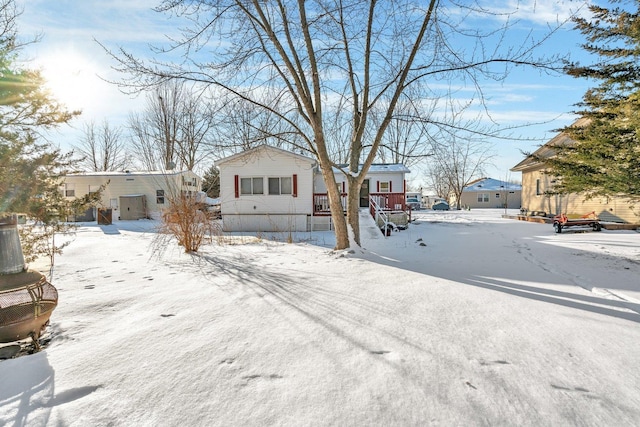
(337, 215)
(353, 207)
(335, 204)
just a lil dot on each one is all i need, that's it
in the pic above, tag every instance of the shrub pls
(188, 221)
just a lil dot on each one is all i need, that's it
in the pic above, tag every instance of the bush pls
(188, 221)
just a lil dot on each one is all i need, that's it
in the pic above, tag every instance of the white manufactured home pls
(271, 189)
(132, 195)
(266, 189)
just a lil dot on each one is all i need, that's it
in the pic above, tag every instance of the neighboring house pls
(132, 195)
(535, 184)
(271, 189)
(491, 193)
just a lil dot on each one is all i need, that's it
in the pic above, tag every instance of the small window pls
(189, 182)
(483, 198)
(497, 195)
(160, 197)
(285, 185)
(280, 185)
(384, 187)
(70, 190)
(251, 186)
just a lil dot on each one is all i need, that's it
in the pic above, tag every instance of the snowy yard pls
(464, 319)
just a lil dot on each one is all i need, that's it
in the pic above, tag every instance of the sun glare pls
(72, 80)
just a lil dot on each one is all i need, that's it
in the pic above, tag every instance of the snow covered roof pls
(128, 173)
(381, 168)
(490, 184)
(264, 147)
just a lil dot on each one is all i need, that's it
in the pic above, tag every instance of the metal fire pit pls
(26, 297)
(26, 303)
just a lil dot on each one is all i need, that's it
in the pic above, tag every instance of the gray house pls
(491, 193)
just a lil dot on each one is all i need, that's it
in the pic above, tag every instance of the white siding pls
(266, 212)
(134, 183)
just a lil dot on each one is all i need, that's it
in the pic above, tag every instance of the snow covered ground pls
(465, 318)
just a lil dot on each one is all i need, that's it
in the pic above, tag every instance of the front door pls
(364, 194)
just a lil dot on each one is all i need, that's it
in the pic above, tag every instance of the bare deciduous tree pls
(407, 139)
(309, 61)
(174, 128)
(102, 148)
(456, 163)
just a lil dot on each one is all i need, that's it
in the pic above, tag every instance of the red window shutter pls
(377, 186)
(236, 180)
(404, 186)
(390, 187)
(343, 190)
(295, 185)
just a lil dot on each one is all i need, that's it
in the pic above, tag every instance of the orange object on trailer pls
(587, 220)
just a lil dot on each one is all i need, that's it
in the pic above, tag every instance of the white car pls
(413, 203)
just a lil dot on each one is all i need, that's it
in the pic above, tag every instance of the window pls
(69, 190)
(384, 186)
(251, 186)
(189, 182)
(280, 185)
(497, 195)
(483, 198)
(538, 187)
(160, 197)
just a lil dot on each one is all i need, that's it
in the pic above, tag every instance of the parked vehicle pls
(440, 206)
(413, 202)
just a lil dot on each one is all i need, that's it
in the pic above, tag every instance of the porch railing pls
(321, 203)
(384, 201)
(389, 201)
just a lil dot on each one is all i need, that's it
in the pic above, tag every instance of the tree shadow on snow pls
(499, 256)
(345, 312)
(604, 306)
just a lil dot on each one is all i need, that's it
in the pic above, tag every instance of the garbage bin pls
(104, 216)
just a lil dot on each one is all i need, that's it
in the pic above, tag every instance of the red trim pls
(236, 181)
(404, 185)
(343, 187)
(295, 185)
(377, 186)
(390, 187)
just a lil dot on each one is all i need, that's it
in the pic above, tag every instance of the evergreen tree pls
(211, 182)
(27, 164)
(604, 157)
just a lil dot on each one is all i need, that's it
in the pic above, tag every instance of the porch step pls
(368, 227)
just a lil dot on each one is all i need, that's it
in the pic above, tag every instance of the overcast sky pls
(73, 60)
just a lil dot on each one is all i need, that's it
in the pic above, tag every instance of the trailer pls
(589, 220)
